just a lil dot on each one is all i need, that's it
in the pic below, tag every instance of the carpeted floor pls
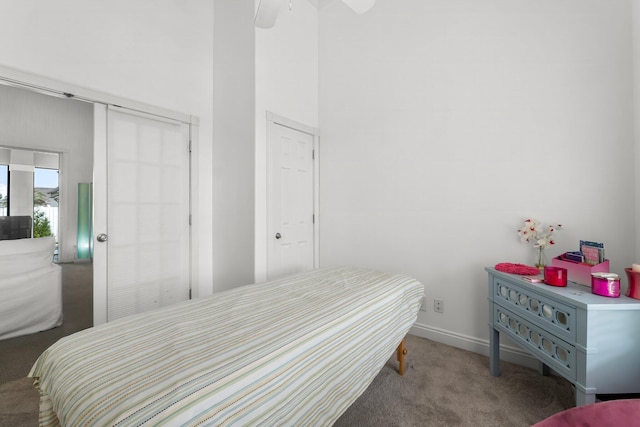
(447, 386)
(18, 354)
(443, 386)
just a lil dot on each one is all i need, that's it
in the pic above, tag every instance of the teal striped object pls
(295, 351)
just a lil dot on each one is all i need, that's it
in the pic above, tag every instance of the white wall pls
(233, 158)
(443, 123)
(41, 122)
(446, 123)
(255, 71)
(286, 76)
(160, 54)
(635, 16)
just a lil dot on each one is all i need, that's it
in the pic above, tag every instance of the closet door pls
(141, 218)
(290, 201)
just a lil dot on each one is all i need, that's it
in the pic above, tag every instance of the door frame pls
(201, 269)
(261, 238)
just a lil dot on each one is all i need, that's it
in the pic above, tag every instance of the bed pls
(294, 351)
(30, 287)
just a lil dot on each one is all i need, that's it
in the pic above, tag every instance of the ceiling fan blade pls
(267, 13)
(360, 6)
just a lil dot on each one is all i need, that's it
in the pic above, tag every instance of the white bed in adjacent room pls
(30, 287)
(294, 351)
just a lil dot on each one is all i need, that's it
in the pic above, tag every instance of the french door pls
(141, 212)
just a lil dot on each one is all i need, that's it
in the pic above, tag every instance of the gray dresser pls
(592, 341)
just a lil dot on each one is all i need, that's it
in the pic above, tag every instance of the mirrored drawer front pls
(550, 349)
(556, 317)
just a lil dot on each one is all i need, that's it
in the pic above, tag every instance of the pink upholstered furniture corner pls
(624, 412)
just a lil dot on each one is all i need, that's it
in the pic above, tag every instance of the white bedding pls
(296, 351)
(30, 287)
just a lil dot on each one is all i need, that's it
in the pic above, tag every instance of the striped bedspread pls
(295, 351)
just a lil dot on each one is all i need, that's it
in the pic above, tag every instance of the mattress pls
(294, 351)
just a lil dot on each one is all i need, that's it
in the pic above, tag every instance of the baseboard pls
(507, 353)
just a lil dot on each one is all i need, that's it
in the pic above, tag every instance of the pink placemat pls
(522, 269)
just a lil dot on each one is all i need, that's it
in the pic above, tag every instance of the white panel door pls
(290, 201)
(145, 256)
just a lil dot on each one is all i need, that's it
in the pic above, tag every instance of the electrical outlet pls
(423, 305)
(438, 305)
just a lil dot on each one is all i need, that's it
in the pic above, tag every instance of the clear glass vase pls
(541, 258)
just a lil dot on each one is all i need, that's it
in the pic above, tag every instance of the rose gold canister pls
(634, 283)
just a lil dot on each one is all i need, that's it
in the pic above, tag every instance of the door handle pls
(278, 235)
(101, 237)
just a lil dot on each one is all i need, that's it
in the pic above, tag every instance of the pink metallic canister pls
(605, 284)
(634, 283)
(555, 276)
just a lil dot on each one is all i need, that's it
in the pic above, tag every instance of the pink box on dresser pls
(580, 272)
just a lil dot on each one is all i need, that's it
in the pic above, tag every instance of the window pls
(45, 202)
(28, 193)
(4, 188)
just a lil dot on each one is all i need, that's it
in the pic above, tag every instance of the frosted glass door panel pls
(147, 213)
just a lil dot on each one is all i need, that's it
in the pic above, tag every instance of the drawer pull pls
(534, 337)
(534, 305)
(547, 311)
(562, 355)
(561, 318)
